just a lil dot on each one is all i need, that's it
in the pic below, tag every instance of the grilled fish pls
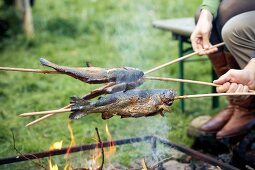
(116, 79)
(95, 75)
(132, 103)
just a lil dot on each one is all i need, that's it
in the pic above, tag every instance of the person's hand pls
(200, 36)
(237, 80)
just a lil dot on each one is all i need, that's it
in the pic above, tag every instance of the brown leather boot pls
(243, 119)
(231, 61)
(219, 62)
(217, 122)
(222, 62)
(220, 66)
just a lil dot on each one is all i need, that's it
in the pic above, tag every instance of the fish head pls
(167, 96)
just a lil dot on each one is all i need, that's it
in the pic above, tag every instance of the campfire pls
(154, 159)
(124, 100)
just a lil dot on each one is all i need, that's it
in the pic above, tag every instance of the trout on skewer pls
(116, 79)
(132, 103)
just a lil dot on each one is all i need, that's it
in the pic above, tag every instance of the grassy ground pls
(107, 34)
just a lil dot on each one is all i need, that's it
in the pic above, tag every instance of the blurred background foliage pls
(106, 33)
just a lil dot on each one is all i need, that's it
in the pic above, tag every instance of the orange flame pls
(68, 164)
(72, 140)
(112, 148)
(56, 145)
(93, 163)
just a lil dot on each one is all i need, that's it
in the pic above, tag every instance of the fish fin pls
(116, 88)
(106, 115)
(161, 113)
(75, 100)
(154, 113)
(78, 107)
(77, 114)
(165, 108)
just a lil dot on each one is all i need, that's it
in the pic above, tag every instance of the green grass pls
(107, 34)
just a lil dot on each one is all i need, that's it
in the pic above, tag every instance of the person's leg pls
(227, 9)
(239, 35)
(220, 65)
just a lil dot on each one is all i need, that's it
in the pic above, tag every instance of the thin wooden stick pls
(29, 70)
(44, 117)
(181, 58)
(102, 149)
(39, 120)
(212, 95)
(181, 80)
(185, 81)
(46, 112)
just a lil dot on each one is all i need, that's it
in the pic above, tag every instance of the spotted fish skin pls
(132, 103)
(95, 75)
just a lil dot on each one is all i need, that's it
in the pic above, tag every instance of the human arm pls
(238, 80)
(201, 34)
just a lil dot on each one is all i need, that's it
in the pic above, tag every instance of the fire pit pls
(154, 141)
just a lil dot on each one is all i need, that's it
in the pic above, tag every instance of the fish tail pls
(47, 63)
(79, 108)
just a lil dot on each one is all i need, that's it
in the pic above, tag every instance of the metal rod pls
(30, 156)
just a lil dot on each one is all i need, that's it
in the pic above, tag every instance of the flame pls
(72, 140)
(68, 164)
(52, 167)
(93, 163)
(112, 148)
(56, 145)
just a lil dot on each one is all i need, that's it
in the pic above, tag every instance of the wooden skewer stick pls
(179, 59)
(46, 112)
(180, 80)
(213, 94)
(44, 117)
(29, 70)
(185, 81)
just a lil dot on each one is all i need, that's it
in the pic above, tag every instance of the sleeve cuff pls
(211, 5)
